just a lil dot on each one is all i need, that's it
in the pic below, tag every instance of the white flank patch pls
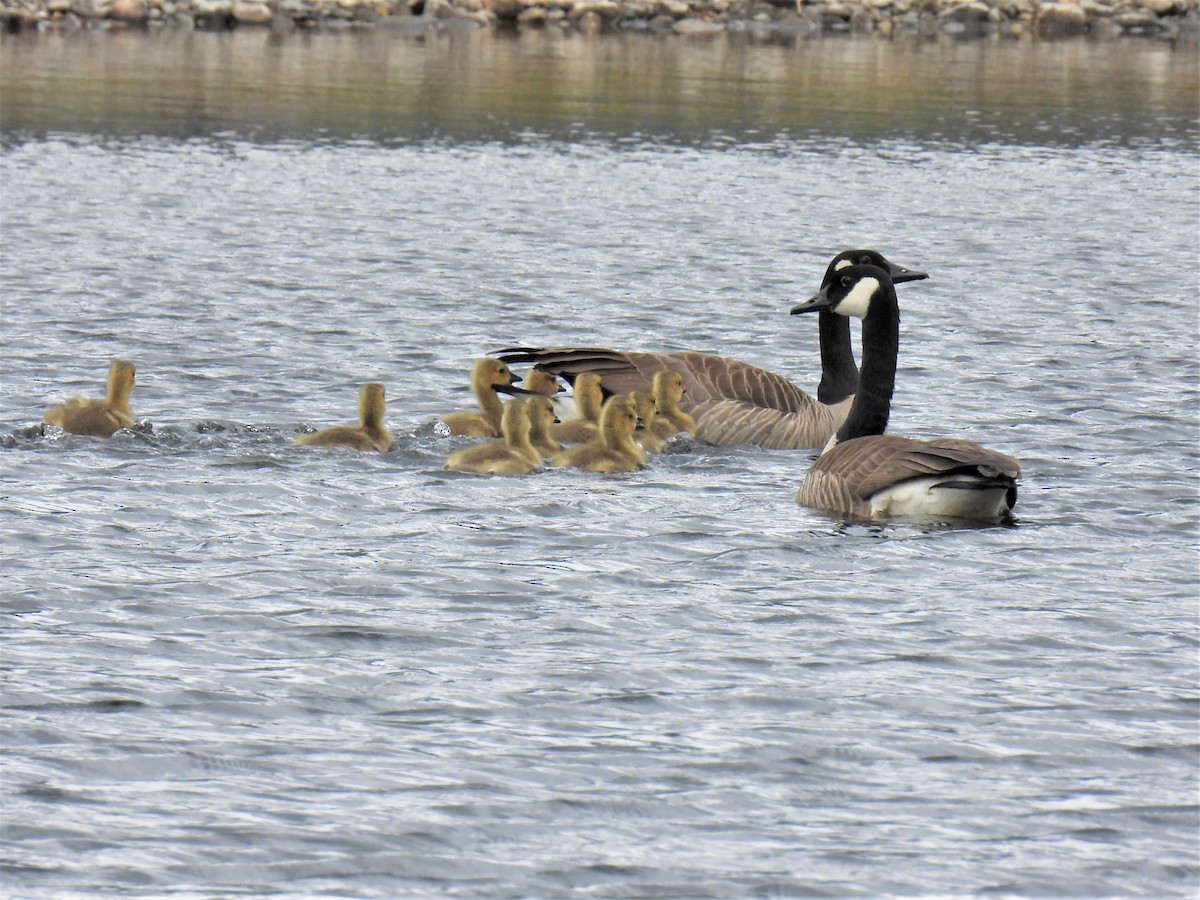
(920, 497)
(858, 301)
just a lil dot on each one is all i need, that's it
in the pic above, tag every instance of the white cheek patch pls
(858, 301)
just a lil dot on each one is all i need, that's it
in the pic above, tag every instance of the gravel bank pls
(755, 18)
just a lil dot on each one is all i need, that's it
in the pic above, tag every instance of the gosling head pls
(619, 418)
(494, 373)
(540, 381)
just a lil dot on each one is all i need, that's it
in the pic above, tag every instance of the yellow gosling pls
(541, 418)
(487, 376)
(613, 450)
(99, 418)
(588, 397)
(542, 382)
(644, 436)
(670, 419)
(371, 434)
(514, 455)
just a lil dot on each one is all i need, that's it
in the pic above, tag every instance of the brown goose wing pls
(868, 465)
(706, 377)
(730, 422)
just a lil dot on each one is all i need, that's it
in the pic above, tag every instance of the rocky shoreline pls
(755, 18)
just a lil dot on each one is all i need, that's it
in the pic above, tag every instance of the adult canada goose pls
(734, 402)
(514, 455)
(669, 419)
(541, 418)
(589, 397)
(370, 434)
(99, 418)
(613, 450)
(871, 475)
(487, 377)
(643, 435)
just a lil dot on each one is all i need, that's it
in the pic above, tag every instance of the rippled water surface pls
(236, 666)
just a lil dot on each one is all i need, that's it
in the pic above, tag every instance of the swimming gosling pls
(487, 377)
(613, 450)
(98, 418)
(589, 397)
(514, 455)
(370, 433)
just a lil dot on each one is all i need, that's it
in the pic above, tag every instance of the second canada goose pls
(370, 433)
(589, 398)
(514, 455)
(871, 475)
(734, 402)
(487, 377)
(98, 418)
(613, 450)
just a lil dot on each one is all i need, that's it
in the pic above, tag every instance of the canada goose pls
(589, 396)
(613, 450)
(733, 402)
(541, 417)
(669, 419)
(487, 377)
(643, 435)
(514, 455)
(99, 418)
(371, 434)
(871, 475)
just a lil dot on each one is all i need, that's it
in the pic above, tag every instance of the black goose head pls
(850, 292)
(898, 274)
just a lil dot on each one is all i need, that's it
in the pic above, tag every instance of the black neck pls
(839, 374)
(881, 342)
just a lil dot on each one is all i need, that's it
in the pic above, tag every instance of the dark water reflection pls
(380, 85)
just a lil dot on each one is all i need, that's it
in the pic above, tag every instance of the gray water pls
(233, 666)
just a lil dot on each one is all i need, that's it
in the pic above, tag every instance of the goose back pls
(882, 476)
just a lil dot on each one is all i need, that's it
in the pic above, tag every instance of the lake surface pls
(233, 666)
